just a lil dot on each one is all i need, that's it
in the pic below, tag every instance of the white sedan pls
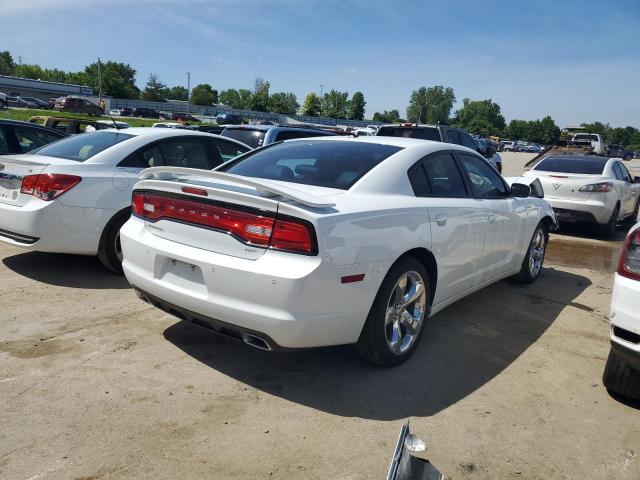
(72, 196)
(622, 372)
(589, 189)
(317, 242)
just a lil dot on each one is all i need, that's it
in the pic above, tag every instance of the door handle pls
(491, 218)
(441, 220)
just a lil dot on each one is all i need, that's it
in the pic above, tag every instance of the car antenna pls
(115, 125)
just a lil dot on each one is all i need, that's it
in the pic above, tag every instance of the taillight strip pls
(632, 242)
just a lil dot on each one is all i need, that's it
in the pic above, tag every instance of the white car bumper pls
(288, 300)
(53, 227)
(625, 320)
(598, 211)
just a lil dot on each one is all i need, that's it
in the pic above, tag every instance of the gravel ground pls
(96, 384)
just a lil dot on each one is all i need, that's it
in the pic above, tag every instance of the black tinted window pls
(228, 149)
(176, 152)
(418, 179)
(443, 176)
(289, 135)
(572, 164)
(32, 138)
(617, 172)
(84, 146)
(322, 163)
(484, 180)
(454, 137)
(424, 133)
(468, 141)
(253, 138)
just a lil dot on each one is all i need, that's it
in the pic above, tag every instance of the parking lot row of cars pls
(334, 240)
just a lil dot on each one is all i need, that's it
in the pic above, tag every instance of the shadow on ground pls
(592, 232)
(463, 347)
(75, 271)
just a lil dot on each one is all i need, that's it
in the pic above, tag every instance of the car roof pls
(270, 127)
(7, 121)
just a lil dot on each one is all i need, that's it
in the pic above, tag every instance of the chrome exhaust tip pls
(256, 342)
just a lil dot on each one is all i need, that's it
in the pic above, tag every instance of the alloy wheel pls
(405, 312)
(536, 252)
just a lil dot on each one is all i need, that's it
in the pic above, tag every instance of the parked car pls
(184, 117)
(614, 150)
(622, 371)
(437, 133)
(3, 100)
(77, 105)
(590, 189)
(330, 241)
(106, 124)
(168, 125)
(74, 195)
(144, 112)
(226, 118)
(508, 146)
(126, 112)
(66, 125)
(18, 102)
(489, 151)
(39, 103)
(23, 137)
(260, 135)
(216, 129)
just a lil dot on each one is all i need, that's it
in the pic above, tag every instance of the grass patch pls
(26, 114)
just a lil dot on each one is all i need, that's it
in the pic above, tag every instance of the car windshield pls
(253, 138)
(333, 164)
(572, 164)
(423, 133)
(82, 147)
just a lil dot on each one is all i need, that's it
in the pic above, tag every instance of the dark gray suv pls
(259, 135)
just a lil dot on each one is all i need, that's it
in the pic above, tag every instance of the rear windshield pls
(253, 138)
(423, 133)
(321, 163)
(585, 136)
(571, 164)
(82, 147)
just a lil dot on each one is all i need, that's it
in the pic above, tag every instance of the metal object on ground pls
(404, 466)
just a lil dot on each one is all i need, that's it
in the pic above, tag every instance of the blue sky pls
(577, 61)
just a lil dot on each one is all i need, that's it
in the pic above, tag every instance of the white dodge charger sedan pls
(589, 189)
(73, 195)
(622, 372)
(317, 242)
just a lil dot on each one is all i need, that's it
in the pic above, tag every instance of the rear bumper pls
(589, 211)
(625, 320)
(52, 227)
(292, 301)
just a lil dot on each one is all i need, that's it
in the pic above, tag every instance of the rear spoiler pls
(263, 186)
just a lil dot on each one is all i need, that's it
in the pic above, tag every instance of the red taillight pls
(48, 186)
(598, 187)
(629, 264)
(251, 228)
(292, 236)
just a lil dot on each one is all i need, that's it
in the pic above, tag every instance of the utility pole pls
(321, 85)
(99, 82)
(188, 89)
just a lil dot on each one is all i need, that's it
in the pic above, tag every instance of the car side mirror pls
(636, 179)
(520, 190)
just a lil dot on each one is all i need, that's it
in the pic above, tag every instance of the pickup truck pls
(437, 133)
(595, 140)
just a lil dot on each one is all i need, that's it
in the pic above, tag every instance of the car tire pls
(619, 378)
(393, 328)
(634, 216)
(534, 258)
(609, 228)
(109, 251)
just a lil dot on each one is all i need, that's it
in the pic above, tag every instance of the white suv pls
(622, 373)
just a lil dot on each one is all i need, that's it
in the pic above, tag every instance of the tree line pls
(431, 105)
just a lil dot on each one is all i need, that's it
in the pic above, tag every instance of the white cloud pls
(349, 70)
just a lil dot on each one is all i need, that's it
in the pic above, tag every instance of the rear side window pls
(4, 142)
(289, 135)
(82, 147)
(418, 180)
(333, 164)
(443, 176)
(423, 133)
(253, 138)
(617, 172)
(468, 141)
(484, 181)
(454, 137)
(572, 164)
(185, 152)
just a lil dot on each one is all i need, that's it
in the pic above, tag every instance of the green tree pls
(260, 98)
(517, 130)
(204, 94)
(246, 97)
(356, 107)
(155, 90)
(312, 105)
(7, 65)
(284, 103)
(391, 116)
(334, 104)
(118, 79)
(549, 132)
(177, 93)
(431, 105)
(231, 97)
(480, 116)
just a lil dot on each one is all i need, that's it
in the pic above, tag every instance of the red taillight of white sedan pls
(48, 186)
(267, 231)
(629, 264)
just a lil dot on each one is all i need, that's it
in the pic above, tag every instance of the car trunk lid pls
(566, 185)
(215, 211)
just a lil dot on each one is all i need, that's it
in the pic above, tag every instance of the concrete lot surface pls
(96, 384)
